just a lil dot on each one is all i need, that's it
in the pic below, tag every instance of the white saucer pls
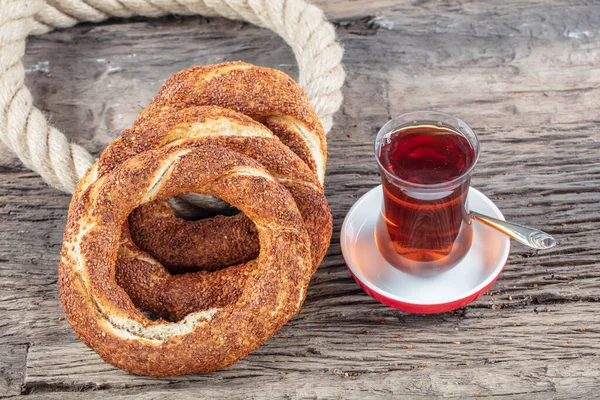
(445, 291)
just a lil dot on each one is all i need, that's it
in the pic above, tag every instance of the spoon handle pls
(523, 234)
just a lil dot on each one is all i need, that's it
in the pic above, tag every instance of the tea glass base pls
(414, 267)
(422, 293)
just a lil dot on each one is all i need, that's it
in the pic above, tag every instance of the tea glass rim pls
(416, 118)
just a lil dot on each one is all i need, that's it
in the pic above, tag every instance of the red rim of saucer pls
(423, 308)
(431, 308)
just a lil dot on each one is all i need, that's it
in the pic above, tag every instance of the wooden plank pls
(535, 380)
(12, 368)
(388, 340)
(522, 73)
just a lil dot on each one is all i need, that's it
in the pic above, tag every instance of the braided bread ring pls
(104, 317)
(151, 224)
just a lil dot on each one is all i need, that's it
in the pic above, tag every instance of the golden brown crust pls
(172, 297)
(195, 245)
(264, 94)
(229, 129)
(182, 142)
(103, 315)
(186, 246)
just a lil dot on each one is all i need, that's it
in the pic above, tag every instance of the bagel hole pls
(194, 207)
(212, 239)
(209, 240)
(153, 316)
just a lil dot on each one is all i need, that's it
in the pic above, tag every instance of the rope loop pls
(46, 150)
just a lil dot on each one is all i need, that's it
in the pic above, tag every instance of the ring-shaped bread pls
(184, 246)
(271, 288)
(189, 244)
(266, 95)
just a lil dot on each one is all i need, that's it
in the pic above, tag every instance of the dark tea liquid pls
(427, 224)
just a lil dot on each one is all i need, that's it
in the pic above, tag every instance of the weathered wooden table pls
(524, 74)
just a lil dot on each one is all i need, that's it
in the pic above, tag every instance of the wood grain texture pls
(535, 380)
(12, 368)
(523, 74)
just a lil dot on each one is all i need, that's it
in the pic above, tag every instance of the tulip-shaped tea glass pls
(426, 160)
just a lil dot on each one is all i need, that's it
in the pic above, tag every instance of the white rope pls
(46, 150)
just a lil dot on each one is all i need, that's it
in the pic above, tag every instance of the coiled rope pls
(46, 150)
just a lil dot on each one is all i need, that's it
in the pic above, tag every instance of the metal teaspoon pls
(523, 234)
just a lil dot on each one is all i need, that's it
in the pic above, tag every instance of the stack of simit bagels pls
(238, 132)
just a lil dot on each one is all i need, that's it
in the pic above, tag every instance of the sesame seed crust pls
(163, 235)
(244, 134)
(209, 244)
(187, 246)
(266, 95)
(271, 291)
(184, 246)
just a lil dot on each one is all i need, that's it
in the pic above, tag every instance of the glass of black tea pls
(426, 161)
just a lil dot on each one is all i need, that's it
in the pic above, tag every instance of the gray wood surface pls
(524, 74)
